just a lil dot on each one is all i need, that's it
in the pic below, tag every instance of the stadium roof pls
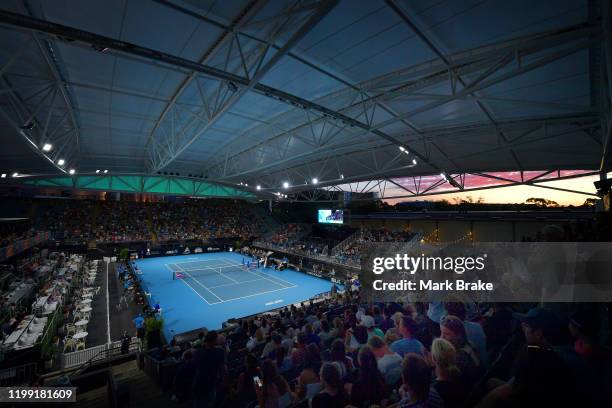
(247, 93)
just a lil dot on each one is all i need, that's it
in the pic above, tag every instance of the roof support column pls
(607, 50)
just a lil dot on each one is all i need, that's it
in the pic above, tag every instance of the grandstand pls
(198, 200)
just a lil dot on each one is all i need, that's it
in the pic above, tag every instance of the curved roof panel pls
(262, 92)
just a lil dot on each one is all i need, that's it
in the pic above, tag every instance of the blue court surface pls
(215, 287)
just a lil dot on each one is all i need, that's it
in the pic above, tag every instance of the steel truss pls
(40, 109)
(338, 137)
(422, 186)
(319, 133)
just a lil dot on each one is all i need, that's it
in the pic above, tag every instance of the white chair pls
(69, 343)
(70, 329)
(80, 345)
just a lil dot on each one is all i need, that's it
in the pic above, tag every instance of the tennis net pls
(208, 271)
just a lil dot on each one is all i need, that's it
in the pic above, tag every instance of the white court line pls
(197, 293)
(199, 283)
(273, 277)
(191, 287)
(291, 285)
(237, 283)
(203, 267)
(201, 260)
(209, 268)
(248, 296)
(232, 299)
(225, 276)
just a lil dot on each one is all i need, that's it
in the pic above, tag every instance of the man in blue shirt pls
(408, 344)
(139, 323)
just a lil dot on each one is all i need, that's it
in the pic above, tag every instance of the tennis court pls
(214, 287)
(223, 280)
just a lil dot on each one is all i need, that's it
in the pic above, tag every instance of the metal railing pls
(322, 258)
(96, 354)
(20, 375)
(345, 242)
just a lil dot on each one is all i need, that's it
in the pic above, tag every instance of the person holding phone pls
(272, 390)
(247, 385)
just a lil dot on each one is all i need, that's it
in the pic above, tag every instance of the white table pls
(82, 323)
(85, 301)
(87, 295)
(80, 335)
(85, 309)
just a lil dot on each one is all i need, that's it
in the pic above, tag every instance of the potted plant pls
(124, 254)
(153, 329)
(48, 353)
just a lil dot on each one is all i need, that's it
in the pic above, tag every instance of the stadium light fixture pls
(97, 171)
(258, 187)
(3, 175)
(61, 162)
(15, 174)
(414, 161)
(47, 147)
(315, 181)
(105, 171)
(286, 184)
(72, 171)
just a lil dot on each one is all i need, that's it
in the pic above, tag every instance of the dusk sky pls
(517, 194)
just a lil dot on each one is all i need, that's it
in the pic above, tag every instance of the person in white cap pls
(368, 322)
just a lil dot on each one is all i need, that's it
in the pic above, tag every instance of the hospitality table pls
(81, 325)
(85, 301)
(85, 309)
(80, 335)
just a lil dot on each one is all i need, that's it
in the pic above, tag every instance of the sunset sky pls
(518, 194)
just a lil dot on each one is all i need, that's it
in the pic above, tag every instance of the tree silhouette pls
(542, 202)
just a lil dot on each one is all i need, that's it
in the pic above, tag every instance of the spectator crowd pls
(342, 352)
(122, 221)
